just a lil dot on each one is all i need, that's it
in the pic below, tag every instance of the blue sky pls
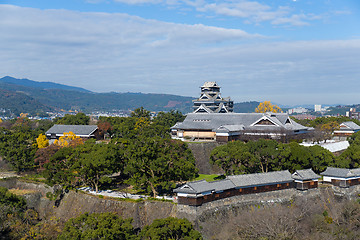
(286, 51)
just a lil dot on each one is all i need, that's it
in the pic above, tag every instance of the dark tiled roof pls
(351, 125)
(80, 130)
(341, 172)
(202, 186)
(257, 179)
(212, 121)
(305, 174)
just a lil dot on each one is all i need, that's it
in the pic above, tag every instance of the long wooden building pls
(199, 192)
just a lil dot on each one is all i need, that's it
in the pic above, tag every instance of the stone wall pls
(75, 203)
(201, 152)
(144, 212)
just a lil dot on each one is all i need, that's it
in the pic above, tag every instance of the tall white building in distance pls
(317, 108)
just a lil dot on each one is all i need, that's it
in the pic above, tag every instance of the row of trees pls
(152, 165)
(269, 155)
(140, 149)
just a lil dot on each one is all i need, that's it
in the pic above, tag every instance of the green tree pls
(298, 157)
(266, 154)
(170, 228)
(141, 113)
(98, 226)
(329, 128)
(11, 207)
(350, 158)
(17, 147)
(78, 119)
(95, 162)
(59, 168)
(321, 158)
(233, 158)
(156, 164)
(168, 119)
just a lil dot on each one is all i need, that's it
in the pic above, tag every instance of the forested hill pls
(42, 85)
(245, 107)
(16, 103)
(83, 100)
(30, 96)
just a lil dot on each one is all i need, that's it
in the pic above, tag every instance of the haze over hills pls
(58, 96)
(36, 97)
(42, 85)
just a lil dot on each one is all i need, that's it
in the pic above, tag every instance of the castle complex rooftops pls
(217, 122)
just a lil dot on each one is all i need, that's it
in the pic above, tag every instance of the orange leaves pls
(68, 139)
(266, 106)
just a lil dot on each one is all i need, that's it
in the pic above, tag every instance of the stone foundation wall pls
(201, 152)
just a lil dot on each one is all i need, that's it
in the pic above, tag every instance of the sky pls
(290, 52)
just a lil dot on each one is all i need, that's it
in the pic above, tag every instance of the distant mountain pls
(47, 95)
(42, 85)
(246, 107)
(90, 101)
(13, 103)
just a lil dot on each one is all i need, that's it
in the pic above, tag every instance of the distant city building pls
(353, 114)
(297, 110)
(210, 100)
(304, 116)
(317, 108)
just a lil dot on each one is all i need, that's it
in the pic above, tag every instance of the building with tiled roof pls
(305, 179)
(342, 177)
(83, 131)
(234, 126)
(199, 192)
(347, 129)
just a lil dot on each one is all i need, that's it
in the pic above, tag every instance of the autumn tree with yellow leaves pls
(42, 141)
(66, 140)
(267, 106)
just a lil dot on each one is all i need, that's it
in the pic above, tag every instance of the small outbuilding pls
(342, 177)
(305, 179)
(347, 129)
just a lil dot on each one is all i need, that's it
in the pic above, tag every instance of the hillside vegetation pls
(66, 97)
(16, 102)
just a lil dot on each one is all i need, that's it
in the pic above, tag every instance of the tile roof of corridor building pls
(341, 172)
(305, 174)
(79, 130)
(258, 179)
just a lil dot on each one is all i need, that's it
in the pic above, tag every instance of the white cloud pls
(139, 1)
(250, 11)
(119, 52)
